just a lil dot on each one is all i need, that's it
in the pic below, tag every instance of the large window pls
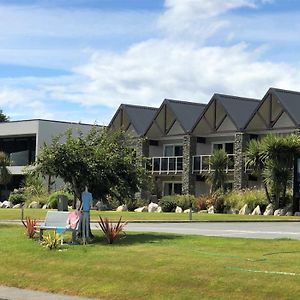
(20, 150)
(171, 188)
(173, 150)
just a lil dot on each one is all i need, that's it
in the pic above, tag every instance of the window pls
(173, 150)
(227, 147)
(171, 188)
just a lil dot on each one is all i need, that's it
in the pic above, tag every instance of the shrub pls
(205, 201)
(237, 199)
(17, 197)
(53, 198)
(184, 201)
(30, 225)
(168, 203)
(52, 242)
(111, 231)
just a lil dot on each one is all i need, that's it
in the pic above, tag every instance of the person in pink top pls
(72, 222)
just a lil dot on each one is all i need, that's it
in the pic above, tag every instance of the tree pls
(256, 163)
(273, 159)
(217, 176)
(103, 161)
(3, 117)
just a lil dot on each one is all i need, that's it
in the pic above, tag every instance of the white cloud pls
(170, 66)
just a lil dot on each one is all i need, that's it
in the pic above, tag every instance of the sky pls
(79, 60)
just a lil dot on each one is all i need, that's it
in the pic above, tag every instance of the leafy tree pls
(217, 176)
(103, 161)
(3, 117)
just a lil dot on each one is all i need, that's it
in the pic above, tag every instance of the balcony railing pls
(201, 163)
(165, 165)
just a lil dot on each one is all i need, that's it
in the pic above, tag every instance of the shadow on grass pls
(136, 238)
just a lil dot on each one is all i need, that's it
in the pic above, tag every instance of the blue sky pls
(78, 60)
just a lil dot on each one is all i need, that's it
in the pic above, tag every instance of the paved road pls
(261, 230)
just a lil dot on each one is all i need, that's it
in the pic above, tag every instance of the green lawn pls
(155, 266)
(14, 214)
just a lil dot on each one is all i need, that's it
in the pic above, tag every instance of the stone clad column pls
(188, 179)
(240, 144)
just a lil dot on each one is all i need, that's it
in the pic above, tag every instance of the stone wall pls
(240, 143)
(188, 179)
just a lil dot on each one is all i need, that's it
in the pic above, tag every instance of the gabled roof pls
(290, 100)
(185, 113)
(238, 109)
(139, 116)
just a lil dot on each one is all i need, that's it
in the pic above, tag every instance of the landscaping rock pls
(279, 212)
(19, 205)
(122, 207)
(6, 204)
(297, 213)
(1, 204)
(100, 206)
(203, 211)
(256, 211)
(211, 210)
(178, 210)
(186, 211)
(244, 210)
(231, 211)
(141, 209)
(269, 210)
(159, 209)
(34, 204)
(152, 207)
(289, 213)
(45, 206)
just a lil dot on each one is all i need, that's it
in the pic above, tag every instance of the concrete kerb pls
(11, 293)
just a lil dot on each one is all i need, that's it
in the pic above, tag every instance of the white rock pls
(297, 213)
(1, 204)
(279, 212)
(211, 210)
(141, 209)
(122, 207)
(289, 213)
(19, 205)
(159, 209)
(269, 210)
(256, 211)
(152, 207)
(45, 206)
(203, 211)
(34, 204)
(178, 210)
(244, 210)
(6, 204)
(100, 206)
(186, 211)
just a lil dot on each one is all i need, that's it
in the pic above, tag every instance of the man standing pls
(86, 200)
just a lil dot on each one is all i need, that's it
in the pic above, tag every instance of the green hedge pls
(53, 199)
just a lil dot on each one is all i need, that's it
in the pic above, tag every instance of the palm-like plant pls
(217, 176)
(255, 161)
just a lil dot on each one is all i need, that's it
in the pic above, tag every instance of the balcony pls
(201, 163)
(165, 165)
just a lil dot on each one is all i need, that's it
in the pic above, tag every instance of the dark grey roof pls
(239, 109)
(290, 101)
(186, 112)
(139, 116)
